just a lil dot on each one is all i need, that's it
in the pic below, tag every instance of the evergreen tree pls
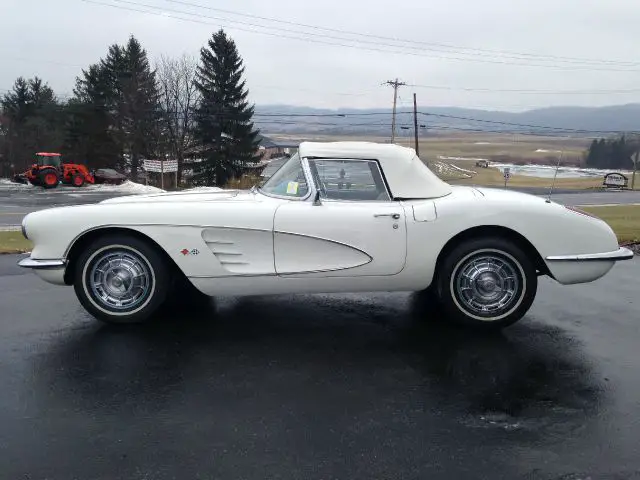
(115, 115)
(136, 113)
(32, 119)
(224, 127)
(613, 153)
(89, 136)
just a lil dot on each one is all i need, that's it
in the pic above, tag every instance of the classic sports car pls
(336, 217)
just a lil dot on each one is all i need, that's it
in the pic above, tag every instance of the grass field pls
(474, 145)
(13, 242)
(623, 219)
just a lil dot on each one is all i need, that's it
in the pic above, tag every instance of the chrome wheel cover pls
(488, 284)
(120, 279)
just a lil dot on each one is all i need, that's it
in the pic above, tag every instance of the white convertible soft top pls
(406, 174)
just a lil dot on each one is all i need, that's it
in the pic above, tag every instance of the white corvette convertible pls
(337, 217)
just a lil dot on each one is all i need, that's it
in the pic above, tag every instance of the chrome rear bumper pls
(41, 264)
(621, 254)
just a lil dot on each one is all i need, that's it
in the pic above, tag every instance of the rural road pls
(16, 202)
(325, 386)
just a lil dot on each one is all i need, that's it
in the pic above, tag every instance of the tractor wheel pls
(49, 178)
(77, 180)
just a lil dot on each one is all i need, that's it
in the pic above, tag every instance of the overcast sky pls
(55, 39)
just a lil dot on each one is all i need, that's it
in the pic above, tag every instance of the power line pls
(415, 42)
(529, 91)
(162, 12)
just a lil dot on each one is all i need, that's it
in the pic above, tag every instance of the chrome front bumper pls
(41, 264)
(621, 254)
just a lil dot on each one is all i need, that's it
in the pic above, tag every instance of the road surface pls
(320, 387)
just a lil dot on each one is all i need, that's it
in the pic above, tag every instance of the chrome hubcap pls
(487, 285)
(120, 279)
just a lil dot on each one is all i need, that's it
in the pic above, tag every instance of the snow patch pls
(548, 171)
(442, 157)
(126, 187)
(7, 184)
(448, 169)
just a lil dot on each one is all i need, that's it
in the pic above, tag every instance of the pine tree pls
(33, 118)
(137, 113)
(89, 134)
(224, 127)
(115, 115)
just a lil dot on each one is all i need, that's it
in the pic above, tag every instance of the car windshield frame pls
(275, 179)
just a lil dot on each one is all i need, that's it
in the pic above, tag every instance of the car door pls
(355, 229)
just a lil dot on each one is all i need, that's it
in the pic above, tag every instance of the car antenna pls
(555, 175)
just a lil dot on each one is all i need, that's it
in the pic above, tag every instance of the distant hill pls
(594, 120)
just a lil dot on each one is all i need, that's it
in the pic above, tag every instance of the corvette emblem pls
(186, 252)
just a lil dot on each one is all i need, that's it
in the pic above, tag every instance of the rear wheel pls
(48, 178)
(121, 279)
(487, 283)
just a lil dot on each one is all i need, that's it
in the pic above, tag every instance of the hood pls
(195, 195)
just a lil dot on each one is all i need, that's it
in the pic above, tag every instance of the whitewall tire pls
(488, 283)
(121, 279)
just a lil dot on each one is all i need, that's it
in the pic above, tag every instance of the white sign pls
(615, 180)
(507, 173)
(166, 166)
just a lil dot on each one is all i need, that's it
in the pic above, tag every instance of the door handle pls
(395, 216)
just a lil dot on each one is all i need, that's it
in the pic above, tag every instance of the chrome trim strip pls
(621, 254)
(41, 264)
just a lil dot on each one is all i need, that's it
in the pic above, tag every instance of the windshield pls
(42, 160)
(288, 181)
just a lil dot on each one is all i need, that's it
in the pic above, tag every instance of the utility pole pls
(415, 124)
(635, 167)
(395, 84)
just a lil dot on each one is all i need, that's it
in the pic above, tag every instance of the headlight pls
(24, 230)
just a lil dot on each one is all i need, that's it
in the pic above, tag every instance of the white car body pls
(232, 242)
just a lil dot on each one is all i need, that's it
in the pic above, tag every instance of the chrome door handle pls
(395, 216)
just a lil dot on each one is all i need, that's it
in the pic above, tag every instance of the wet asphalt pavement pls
(320, 387)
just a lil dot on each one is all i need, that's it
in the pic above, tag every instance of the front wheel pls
(487, 283)
(121, 279)
(77, 180)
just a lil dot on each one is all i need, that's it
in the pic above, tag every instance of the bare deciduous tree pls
(178, 100)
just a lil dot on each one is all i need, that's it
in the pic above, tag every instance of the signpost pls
(162, 166)
(507, 175)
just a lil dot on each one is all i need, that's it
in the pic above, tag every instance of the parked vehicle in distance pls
(394, 226)
(109, 176)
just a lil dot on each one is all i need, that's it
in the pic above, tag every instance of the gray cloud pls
(55, 39)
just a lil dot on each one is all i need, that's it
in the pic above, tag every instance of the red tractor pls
(49, 171)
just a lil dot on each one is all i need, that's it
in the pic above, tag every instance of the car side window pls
(358, 180)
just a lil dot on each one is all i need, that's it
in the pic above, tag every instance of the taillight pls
(581, 212)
